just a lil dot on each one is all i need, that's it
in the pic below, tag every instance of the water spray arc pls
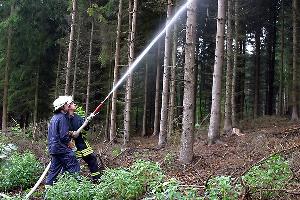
(130, 69)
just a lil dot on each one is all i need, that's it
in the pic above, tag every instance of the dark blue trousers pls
(67, 162)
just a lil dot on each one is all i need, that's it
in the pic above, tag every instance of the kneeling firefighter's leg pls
(91, 160)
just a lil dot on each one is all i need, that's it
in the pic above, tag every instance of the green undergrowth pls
(142, 180)
(273, 174)
(19, 171)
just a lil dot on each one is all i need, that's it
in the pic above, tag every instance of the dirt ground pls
(232, 156)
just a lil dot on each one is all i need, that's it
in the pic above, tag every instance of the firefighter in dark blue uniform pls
(59, 142)
(84, 150)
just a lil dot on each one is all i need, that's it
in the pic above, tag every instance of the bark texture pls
(215, 116)
(113, 114)
(188, 121)
(71, 41)
(166, 79)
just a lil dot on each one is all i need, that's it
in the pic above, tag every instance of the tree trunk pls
(57, 73)
(172, 85)
(36, 95)
(269, 106)
(188, 121)
(236, 52)
(89, 71)
(145, 100)
(113, 114)
(257, 73)
(271, 47)
(6, 74)
(281, 82)
(295, 116)
(128, 94)
(157, 93)
(108, 107)
(214, 125)
(76, 56)
(228, 107)
(166, 78)
(70, 47)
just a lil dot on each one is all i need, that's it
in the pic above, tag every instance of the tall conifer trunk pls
(172, 85)
(166, 78)
(76, 56)
(128, 94)
(113, 115)
(215, 116)
(89, 71)
(188, 121)
(70, 47)
(145, 100)
(6, 74)
(228, 107)
(257, 73)
(295, 115)
(157, 92)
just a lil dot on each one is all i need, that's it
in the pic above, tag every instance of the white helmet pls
(62, 100)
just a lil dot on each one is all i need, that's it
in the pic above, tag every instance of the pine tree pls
(128, 94)
(166, 78)
(113, 115)
(215, 116)
(188, 121)
(70, 47)
(6, 73)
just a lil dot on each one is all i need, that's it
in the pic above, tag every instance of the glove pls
(71, 133)
(72, 146)
(89, 118)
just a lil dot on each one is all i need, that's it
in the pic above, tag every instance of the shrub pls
(19, 171)
(273, 173)
(221, 187)
(142, 178)
(68, 187)
(129, 183)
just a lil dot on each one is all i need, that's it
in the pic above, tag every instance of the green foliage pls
(221, 187)
(19, 171)
(68, 187)
(171, 190)
(169, 159)
(16, 129)
(274, 173)
(80, 111)
(103, 12)
(121, 183)
(129, 183)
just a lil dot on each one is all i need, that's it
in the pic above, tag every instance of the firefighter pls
(84, 149)
(59, 142)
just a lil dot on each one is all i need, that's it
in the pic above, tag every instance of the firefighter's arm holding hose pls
(75, 134)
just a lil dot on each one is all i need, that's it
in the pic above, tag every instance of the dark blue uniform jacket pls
(75, 123)
(58, 137)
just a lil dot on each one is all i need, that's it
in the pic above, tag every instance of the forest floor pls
(235, 155)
